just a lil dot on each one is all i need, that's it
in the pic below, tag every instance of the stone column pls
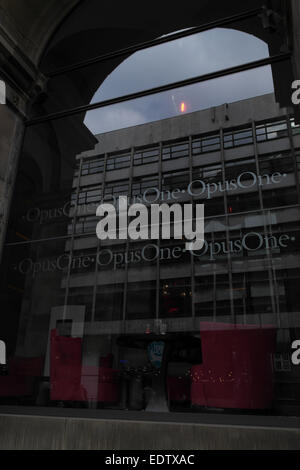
(295, 37)
(295, 13)
(11, 136)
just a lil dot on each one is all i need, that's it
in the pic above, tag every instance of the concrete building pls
(247, 272)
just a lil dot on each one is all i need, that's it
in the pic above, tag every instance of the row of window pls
(250, 294)
(218, 206)
(242, 170)
(264, 132)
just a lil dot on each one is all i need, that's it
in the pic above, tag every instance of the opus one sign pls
(107, 258)
(204, 190)
(143, 228)
(197, 188)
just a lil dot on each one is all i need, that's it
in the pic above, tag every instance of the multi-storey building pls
(242, 161)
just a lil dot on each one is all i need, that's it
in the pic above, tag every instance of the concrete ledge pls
(21, 432)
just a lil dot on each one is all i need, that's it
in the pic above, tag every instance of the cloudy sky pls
(188, 57)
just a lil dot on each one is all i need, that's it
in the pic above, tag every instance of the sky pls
(184, 58)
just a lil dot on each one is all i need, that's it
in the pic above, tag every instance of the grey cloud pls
(203, 53)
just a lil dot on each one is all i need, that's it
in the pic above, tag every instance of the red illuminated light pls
(183, 107)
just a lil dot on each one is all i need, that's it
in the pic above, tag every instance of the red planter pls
(65, 368)
(22, 374)
(237, 367)
(70, 381)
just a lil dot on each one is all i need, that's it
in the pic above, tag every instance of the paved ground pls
(210, 418)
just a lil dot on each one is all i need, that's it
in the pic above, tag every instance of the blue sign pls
(155, 353)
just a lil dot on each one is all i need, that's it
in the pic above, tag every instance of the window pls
(109, 302)
(280, 197)
(83, 261)
(207, 185)
(142, 157)
(175, 180)
(208, 174)
(141, 300)
(274, 163)
(243, 202)
(298, 159)
(175, 298)
(235, 168)
(86, 225)
(295, 127)
(89, 195)
(238, 138)
(180, 150)
(271, 130)
(206, 144)
(116, 162)
(212, 296)
(148, 185)
(93, 167)
(282, 362)
(116, 189)
(82, 296)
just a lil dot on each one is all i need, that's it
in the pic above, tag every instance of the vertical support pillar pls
(157, 299)
(11, 138)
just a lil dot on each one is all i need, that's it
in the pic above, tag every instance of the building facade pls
(242, 162)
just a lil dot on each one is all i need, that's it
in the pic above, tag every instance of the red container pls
(70, 381)
(108, 385)
(100, 384)
(22, 373)
(65, 368)
(237, 369)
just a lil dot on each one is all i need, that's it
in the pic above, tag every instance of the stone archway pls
(28, 25)
(38, 36)
(93, 29)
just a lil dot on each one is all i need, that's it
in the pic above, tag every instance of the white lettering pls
(108, 222)
(2, 92)
(296, 354)
(2, 353)
(138, 228)
(296, 94)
